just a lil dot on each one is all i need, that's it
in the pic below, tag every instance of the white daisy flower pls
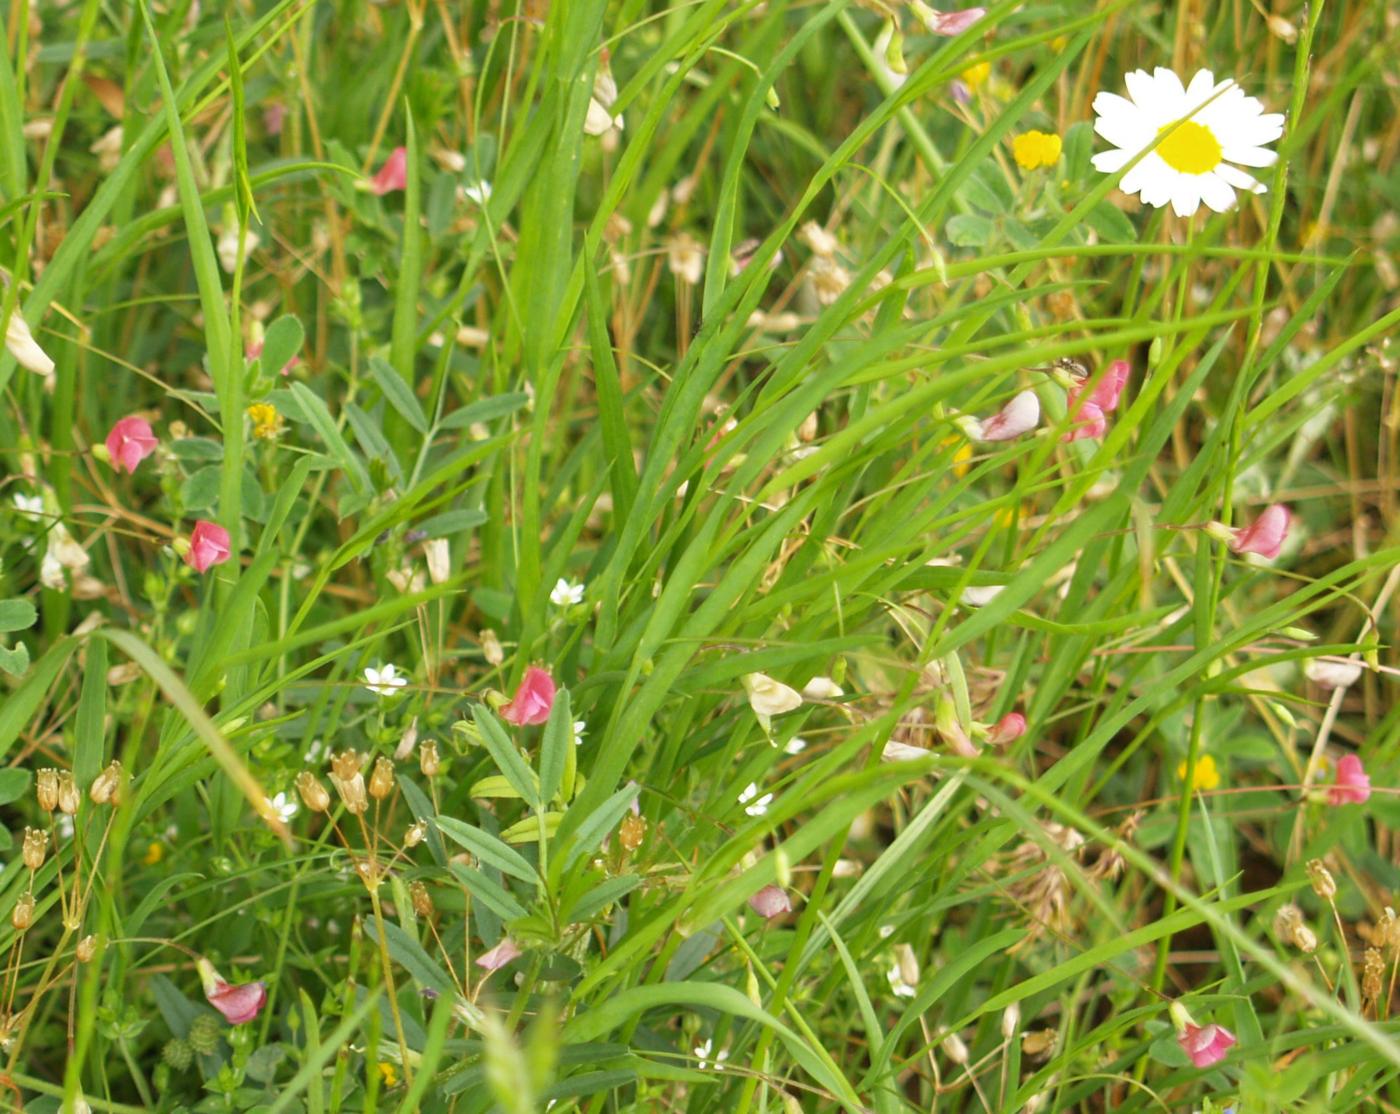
(760, 804)
(1192, 163)
(383, 682)
(565, 593)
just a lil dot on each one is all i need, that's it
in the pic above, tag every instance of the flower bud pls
(46, 789)
(908, 964)
(68, 797)
(954, 1048)
(428, 760)
(35, 844)
(407, 741)
(313, 793)
(22, 915)
(1011, 1020)
(381, 781)
(105, 787)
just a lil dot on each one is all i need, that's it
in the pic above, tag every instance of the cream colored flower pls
(768, 697)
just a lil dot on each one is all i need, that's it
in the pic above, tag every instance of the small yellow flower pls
(1207, 776)
(154, 853)
(962, 454)
(1033, 149)
(388, 1072)
(974, 77)
(267, 423)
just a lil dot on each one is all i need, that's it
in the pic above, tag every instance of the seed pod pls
(36, 843)
(46, 788)
(1011, 1020)
(313, 793)
(86, 949)
(491, 648)
(105, 788)
(955, 1049)
(22, 915)
(429, 761)
(349, 782)
(1323, 884)
(1373, 975)
(381, 781)
(68, 797)
(416, 834)
(422, 901)
(631, 832)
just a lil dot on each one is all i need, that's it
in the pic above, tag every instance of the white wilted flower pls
(24, 348)
(1020, 415)
(822, 688)
(818, 240)
(1330, 674)
(753, 804)
(600, 119)
(51, 573)
(768, 697)
(979, 595)
(795, 745)
(896, 976)
(438, 554)
(685, 257)
(565, 593)
(384, 682)
(227, 246)
(29, 506)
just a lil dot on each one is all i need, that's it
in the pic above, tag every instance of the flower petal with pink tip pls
(1265, 535)
(1352, 786)
(239, 1004)
(953, 23)
(770, 902)
(1205, 1044)
(209, 546)
(1009, 728)
(533, 699)
(1020, 415)
(130, 442)
(1089, 422)
(393, 175)
(499, 956)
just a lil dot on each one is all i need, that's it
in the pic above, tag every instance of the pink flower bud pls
(1353, 786)
(1265, 535)
(238, 1004)
(499, 956)
(209, 546)
(533, 699)
(1018, 416)
(130, 442)
(770, 902)
(953, 23)
(1009, 728)
(393, 175)
(1206, 1045)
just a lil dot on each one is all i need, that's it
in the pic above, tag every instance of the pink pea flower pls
(209, 546)
(239, 1004)
(533, 699)
(1020, 415)
(499, 956)
(1265, 535)
(130, 442)
(1090, 406)
(950, 23)
(1206, 1045)
(1090, 424)
(393, 175)
(1353, 786)
(1007, 729)
(770, 902)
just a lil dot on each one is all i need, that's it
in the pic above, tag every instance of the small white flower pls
(760, 805)
(796, 745)
(478, 192)
(702, 1053)
(768, 697)
(284, 806)
(580, 730)
(1332, 674)
(29, 506)
(227, 247)
(565, 593)
(901, 988)
(315, 752)
(1192, 163)
(822, 688)
(51, 573)
(383, 682)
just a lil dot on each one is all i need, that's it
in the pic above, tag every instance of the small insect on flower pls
(208, 546)
(1199, 130)
(500, 955)
(130, 442)
(565, 593)
(533, 700)
(266, 421)
(1352, 785)
(238, 1004)
(393, 175)
(1033, 149)
(384, 682)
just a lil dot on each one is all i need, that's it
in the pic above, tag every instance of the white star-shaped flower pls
(759, 805)
(566, 593)
(383, 682)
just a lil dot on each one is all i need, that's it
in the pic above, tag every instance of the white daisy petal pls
(1110, 162)
(1250, 156)
(1216, 193)
(1148, 170)
(1141, 88)
(1234, 176)
(1186, 194)
(1201, 87)
(1168, 84)
(1127, 128)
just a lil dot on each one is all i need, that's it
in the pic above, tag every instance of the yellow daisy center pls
(1190, 148)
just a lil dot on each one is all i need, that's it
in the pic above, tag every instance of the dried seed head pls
(416, 834)
(1388, 930)
(1039, 1042)
(68, 796)
(22, 915)
(428, 760)
(36, 843)
(1323, 884)
(1372, 975)
(491, 648)
(46, 788)
(908, 964)
(346, 764)
(349, 782)
(1304, 939)
(381, 781)
(407, 741)
(106, 787)
(86, 949)
(1011, 1020)
(422, 901)
(631, 832)
(313, 793)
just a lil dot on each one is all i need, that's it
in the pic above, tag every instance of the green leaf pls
(91, 746)
(554, 749)
(14, 661)
(398, 393)
(409, 953)
(506, 755)
(452, 522)
(489, 892)
(488, 848)
(17, 614)
(200, 491)
(602, 896)
(282, 341)
(968, 230)
(1111, 223)
(484, 410)
(321, 420)
(20, 704)
(600, 822)
(14, 783)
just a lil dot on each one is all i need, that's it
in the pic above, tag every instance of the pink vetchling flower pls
(239, 1004)
(130, 442)
(1007, 729)
(1020, 415)
(393, 175)
(209, 546)
(533, 699)
(951, 23)
(1088, 408)
(770, 902)
(255, 349)
(499, 956)
(1265, 535)
(1206, 1045)
(1352, 786)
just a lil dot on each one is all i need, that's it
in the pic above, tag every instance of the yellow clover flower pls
(267, 423)
(1036, 149)
(1207, 777)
